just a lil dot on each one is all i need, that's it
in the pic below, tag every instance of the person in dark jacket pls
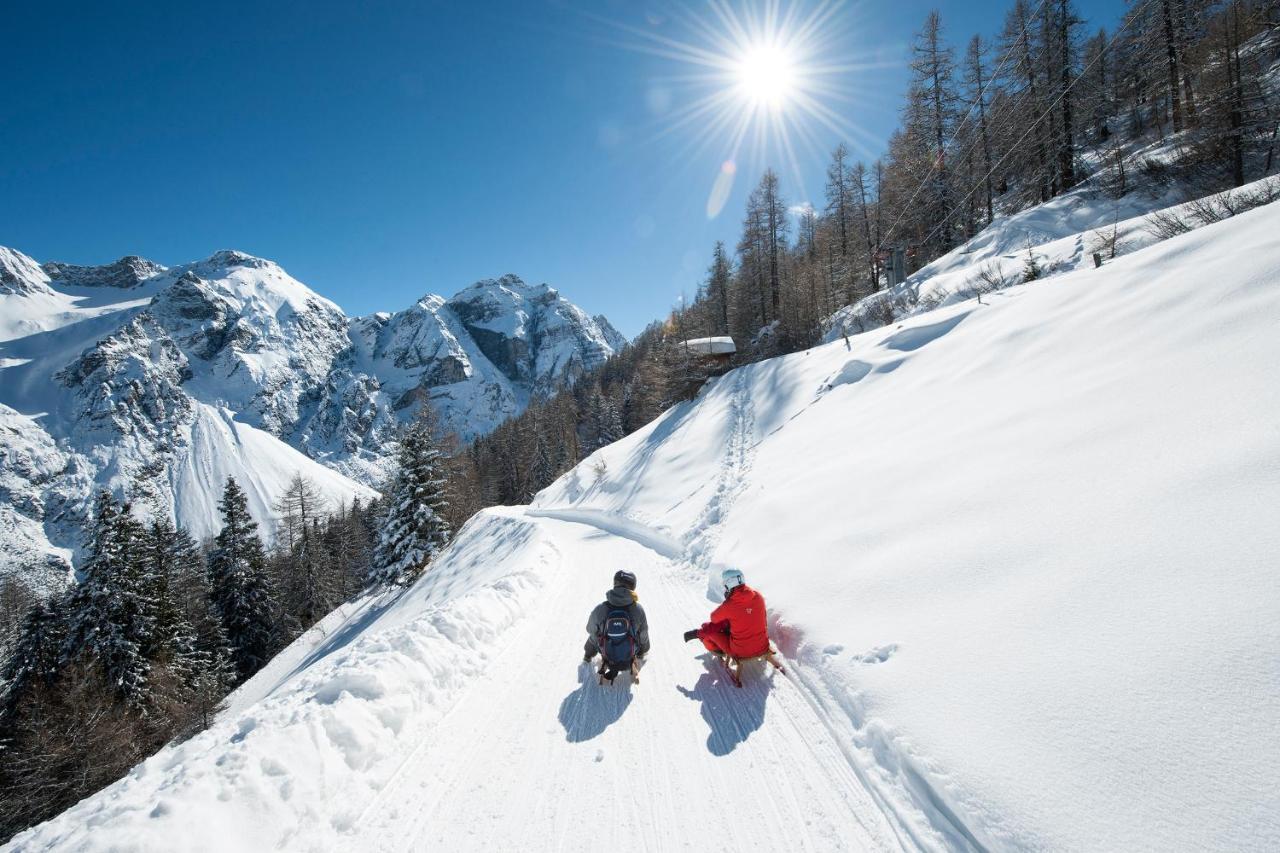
(623, 596)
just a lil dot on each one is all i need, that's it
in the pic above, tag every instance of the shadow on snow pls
(588, 711)
(732, 713)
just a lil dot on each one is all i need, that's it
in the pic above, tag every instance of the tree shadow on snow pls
(732, 713)
(593, 707)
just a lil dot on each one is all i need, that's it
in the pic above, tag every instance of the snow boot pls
(691, 635)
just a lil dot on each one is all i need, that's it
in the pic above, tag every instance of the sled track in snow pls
(517, 762)
(920, 816)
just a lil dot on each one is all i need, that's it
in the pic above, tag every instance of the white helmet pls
(731, 578)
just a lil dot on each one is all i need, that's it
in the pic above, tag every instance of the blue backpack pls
(618, 640)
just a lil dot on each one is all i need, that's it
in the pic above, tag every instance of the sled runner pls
(734, 665)
(605, 669)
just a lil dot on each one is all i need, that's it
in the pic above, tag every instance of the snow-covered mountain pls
(1019, 555)
(161, 382)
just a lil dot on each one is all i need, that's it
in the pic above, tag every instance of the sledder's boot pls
(607, 672)
(691, 635)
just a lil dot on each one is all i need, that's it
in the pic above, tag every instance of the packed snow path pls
(683, 760)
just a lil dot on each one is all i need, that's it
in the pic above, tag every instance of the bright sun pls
(765, 82)
(766, 76)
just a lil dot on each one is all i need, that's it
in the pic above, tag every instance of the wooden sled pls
(734, 665)
(635, 673)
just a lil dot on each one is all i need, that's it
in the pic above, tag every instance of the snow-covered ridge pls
(1062, 235)
(145, 379)
(19, 275)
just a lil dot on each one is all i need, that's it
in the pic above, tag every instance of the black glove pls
(691, 635)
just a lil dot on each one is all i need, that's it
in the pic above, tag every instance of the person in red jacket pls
(738, 627)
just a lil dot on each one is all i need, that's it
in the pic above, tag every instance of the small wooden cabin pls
(718, 350)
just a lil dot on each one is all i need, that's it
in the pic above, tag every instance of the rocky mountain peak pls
(21, 275)
(234, 258)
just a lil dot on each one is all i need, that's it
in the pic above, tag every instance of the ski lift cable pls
(955, 134)
(1036, 123)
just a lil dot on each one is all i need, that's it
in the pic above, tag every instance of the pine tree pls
(35, 658)
(160, 556)
(840, 204)
(1031, 268)
(413, 524)
(606, 420)
(110, 617)
(239, 588)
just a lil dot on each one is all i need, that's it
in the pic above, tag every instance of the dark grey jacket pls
(619, 596)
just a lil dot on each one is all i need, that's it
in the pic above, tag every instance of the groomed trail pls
(538, 751)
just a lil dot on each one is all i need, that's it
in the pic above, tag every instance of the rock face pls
(531, 334)
(230, 367)
(21, 276)
(129, 271)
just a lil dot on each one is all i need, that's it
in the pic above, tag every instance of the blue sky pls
(385, 150)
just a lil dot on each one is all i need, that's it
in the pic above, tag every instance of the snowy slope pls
(1020, 557)
(1061, 234)
(1028, 546)
(159, 383)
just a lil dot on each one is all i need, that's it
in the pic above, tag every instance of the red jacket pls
(743, 615)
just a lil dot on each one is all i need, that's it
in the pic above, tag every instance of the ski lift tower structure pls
(896, 265)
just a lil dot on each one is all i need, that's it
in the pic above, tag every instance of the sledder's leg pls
(733, 674)
(772, 657)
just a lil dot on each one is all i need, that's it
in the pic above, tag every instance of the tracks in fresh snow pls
(739, 453)
(541, 756)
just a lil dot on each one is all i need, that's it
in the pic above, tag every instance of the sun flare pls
(766, 76)
(759, 81)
